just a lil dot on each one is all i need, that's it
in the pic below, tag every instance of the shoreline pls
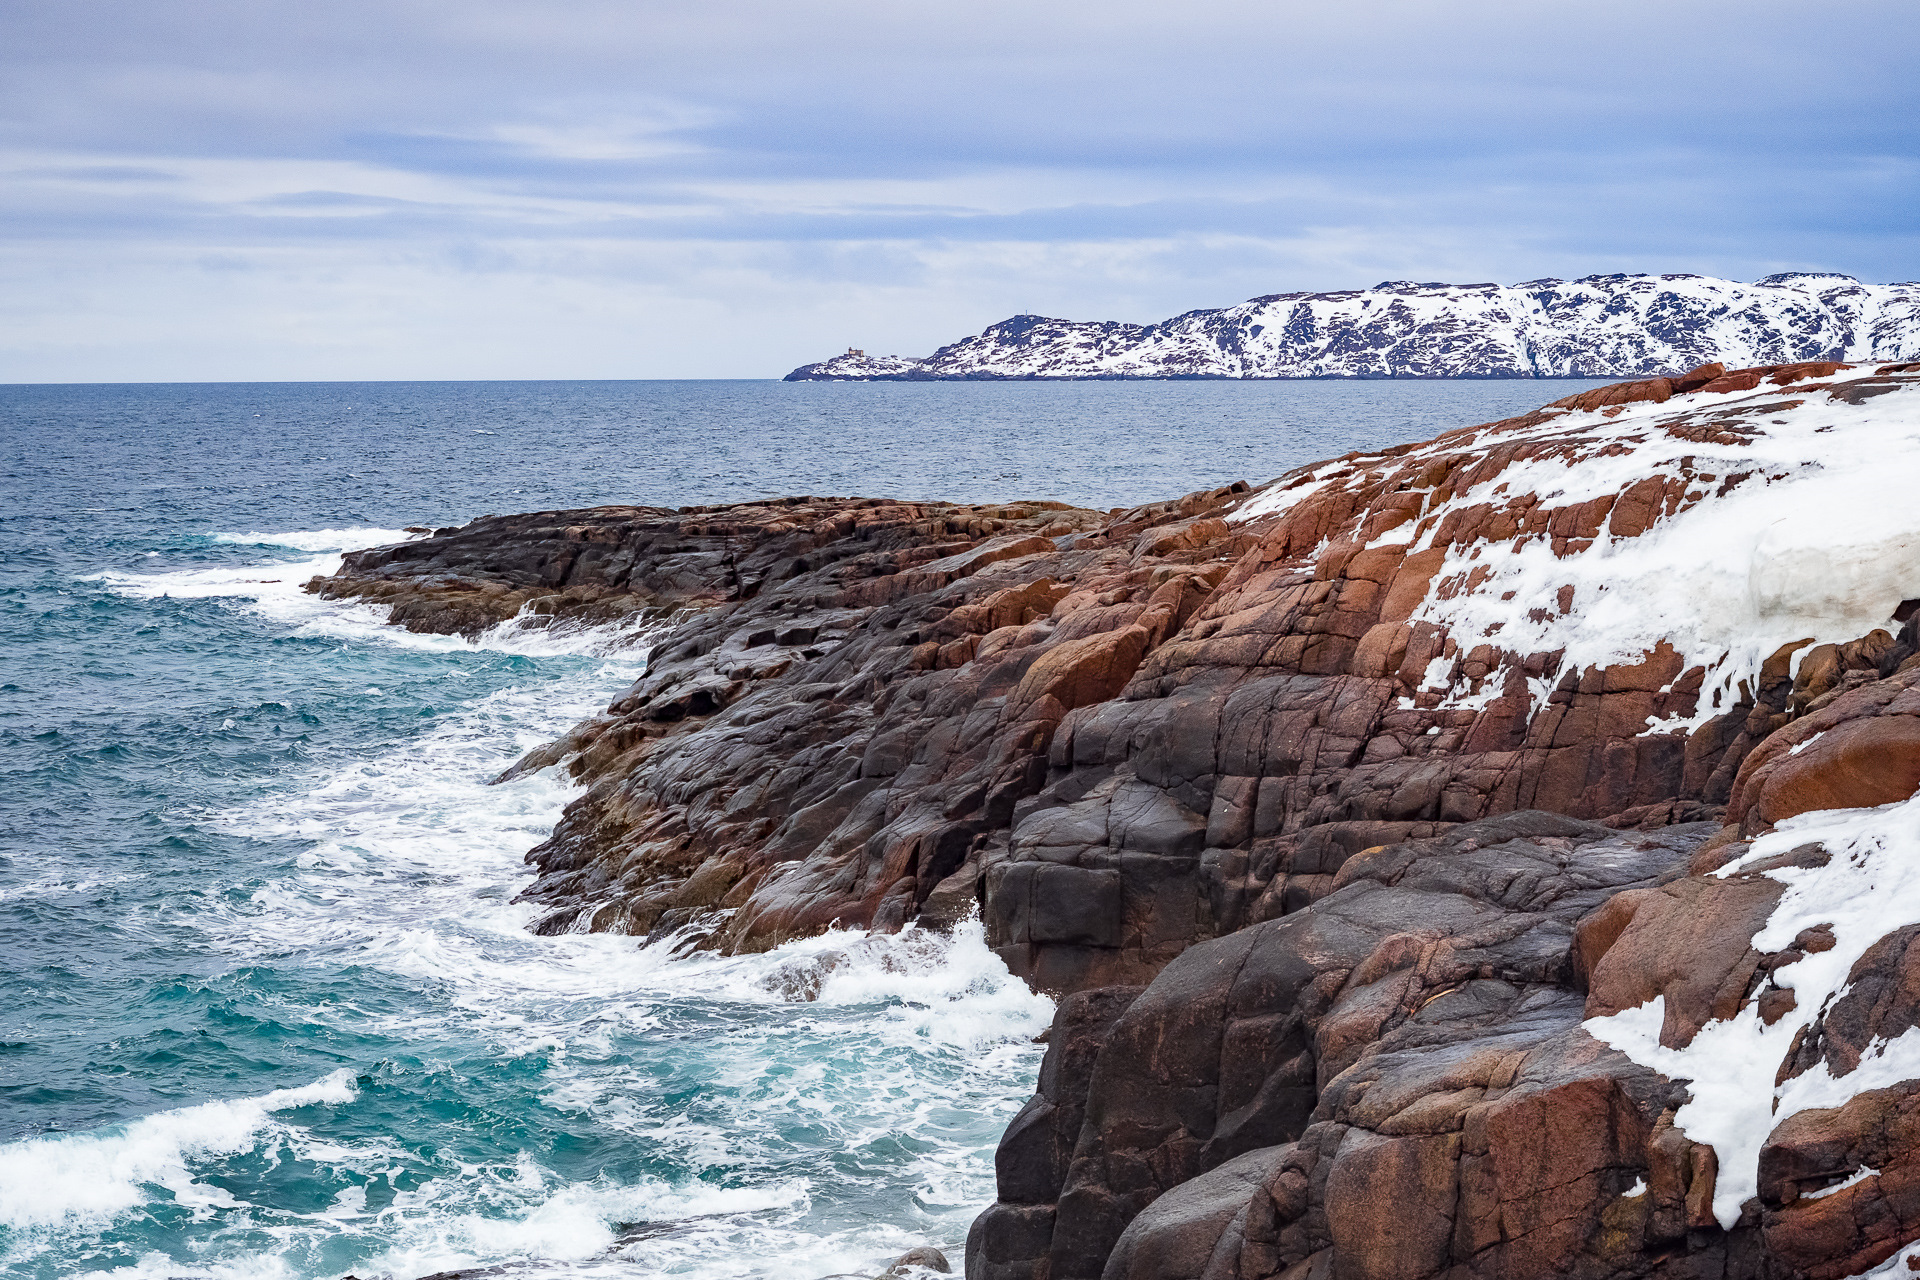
(1293, 793)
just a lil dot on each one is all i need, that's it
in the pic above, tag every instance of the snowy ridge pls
(1600, 326)
(857, 366)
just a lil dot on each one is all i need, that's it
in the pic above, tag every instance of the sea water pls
(270, 1010)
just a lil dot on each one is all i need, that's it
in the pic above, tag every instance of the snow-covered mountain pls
(1602, 326)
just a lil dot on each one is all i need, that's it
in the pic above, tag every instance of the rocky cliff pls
(1490, 857)
(1602, 326)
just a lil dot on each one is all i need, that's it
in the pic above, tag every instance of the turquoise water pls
(270, 1011)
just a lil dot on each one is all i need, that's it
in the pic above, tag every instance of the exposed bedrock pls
(1357, 817)
(1389, 1082)
(1406, 1079)
(1119, 733)
(1395, 1083)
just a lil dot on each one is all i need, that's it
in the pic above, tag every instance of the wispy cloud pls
(655, 189)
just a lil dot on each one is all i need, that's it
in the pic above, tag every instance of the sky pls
(240, 190)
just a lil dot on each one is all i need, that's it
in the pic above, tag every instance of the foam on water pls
(354, 539)
(247, 841)
(276, 590)
(89, 1179)
(817, 1109)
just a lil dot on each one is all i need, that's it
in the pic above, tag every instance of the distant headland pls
(1612, 326)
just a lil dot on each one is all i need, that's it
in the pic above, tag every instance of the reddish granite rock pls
(1394, 1083)
(1687, 941)
(1121, 734)
(1371, 873)
(1391, 1082)
(1857, 746)
(1842, 1185)
(864, 693)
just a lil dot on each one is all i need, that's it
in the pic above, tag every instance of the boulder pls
(924, 1258)
(1856, 750)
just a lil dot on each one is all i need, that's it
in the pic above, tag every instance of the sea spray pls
(582, 1104)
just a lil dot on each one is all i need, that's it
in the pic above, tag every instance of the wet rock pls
(799, 980)
(1031, 1163)
(924, 1258)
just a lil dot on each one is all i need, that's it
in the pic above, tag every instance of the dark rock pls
(1426, 977)
(1031, 1164)
(924, 1258)
(1394, 1082)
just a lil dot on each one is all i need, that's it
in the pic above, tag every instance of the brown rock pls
(1211, 1073)
(1689, 941)
(1165, 702)
(1165, 747)
(1856, 765)
(1081, 672)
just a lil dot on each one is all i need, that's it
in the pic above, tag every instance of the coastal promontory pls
(1495, 856)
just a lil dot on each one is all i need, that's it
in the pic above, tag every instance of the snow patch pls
(1859, 1177)
(1869, 888)
(1819, 543)
(1273, 502)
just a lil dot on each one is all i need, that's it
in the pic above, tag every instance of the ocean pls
(270, 1010)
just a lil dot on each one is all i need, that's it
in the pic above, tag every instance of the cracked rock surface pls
(1329, 871)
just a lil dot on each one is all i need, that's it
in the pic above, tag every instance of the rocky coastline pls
(1358, 819)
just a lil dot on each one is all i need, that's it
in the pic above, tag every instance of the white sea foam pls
(90, 1179)
(49, 886)
(830, 1134)
(352, 539)
(276, 589)
(578, 1223)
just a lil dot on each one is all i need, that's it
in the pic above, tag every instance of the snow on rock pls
(857, 366)
(1868, 888)
(1601, 326)
(1703, 531)
(1900, 1264)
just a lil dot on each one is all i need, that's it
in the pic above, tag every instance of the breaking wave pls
(577, 1105)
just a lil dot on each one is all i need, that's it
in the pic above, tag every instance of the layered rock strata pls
(1403, 833)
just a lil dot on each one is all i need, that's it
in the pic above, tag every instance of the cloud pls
(670, 188)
